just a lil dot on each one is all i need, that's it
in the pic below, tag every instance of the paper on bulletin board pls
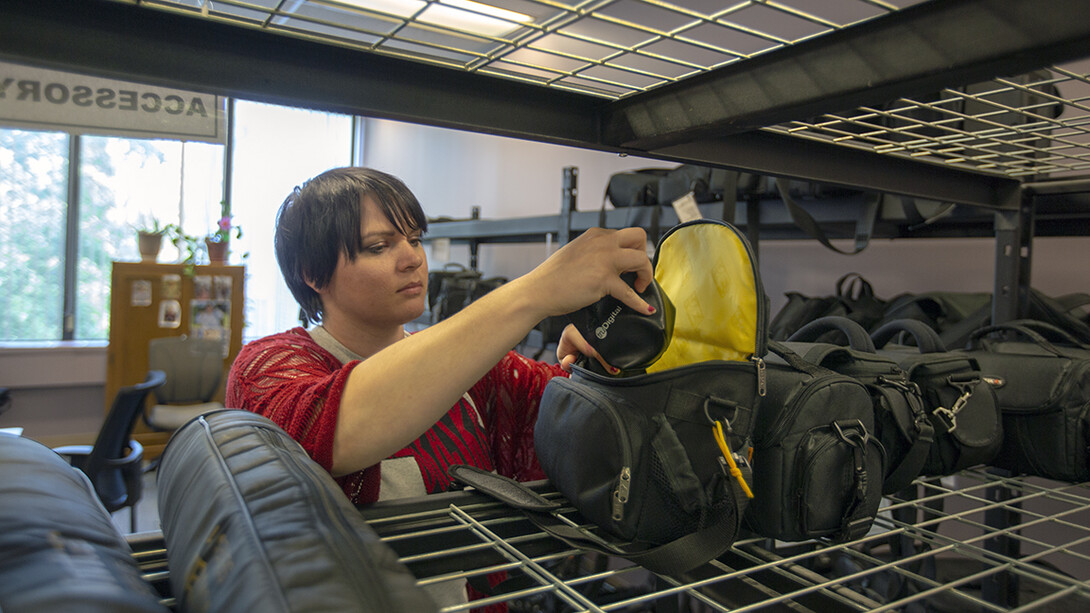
(171, 287)
(140, 295)
(211, 319)
(170, 314)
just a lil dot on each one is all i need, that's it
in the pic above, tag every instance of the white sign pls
(45, 99)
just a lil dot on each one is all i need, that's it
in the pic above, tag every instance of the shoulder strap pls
(1034, 337)
(857, 336)
(863, 229)
(677, 556)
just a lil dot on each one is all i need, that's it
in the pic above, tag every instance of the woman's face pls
(387, 282)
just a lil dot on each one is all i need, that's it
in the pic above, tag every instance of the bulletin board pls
(150, 300)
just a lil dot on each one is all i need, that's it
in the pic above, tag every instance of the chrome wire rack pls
(974, 541)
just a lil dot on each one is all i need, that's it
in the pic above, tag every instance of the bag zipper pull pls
(762, 384)
(620, 493)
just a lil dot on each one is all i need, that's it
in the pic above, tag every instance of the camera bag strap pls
(679, 555)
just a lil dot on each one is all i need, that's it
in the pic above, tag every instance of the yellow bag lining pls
(706, 271)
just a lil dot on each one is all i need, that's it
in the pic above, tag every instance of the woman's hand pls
(572, 345)
(589, 268)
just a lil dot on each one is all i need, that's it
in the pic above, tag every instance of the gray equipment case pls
(251, 523)
(59, 551)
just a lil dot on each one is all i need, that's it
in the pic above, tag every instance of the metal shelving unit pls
(940, 548)
(937, 548)
(908, 98)
(904, 97)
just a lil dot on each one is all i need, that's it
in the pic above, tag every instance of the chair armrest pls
(75, 454)
(132, 469)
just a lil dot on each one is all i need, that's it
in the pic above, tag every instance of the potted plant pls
(149, 238)
(218, 242)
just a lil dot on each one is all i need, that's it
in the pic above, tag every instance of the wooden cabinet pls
(149, 300)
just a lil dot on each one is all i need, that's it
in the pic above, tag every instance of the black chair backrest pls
(116, 432)
(194, 368)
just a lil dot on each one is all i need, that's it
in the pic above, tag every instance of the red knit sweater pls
(297, 384)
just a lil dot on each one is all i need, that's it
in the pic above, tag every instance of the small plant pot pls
(149, 244)
(217, 252)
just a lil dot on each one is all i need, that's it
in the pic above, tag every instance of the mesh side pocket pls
(664, 515)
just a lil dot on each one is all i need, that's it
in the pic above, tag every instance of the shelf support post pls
(474, 244)
(1014, 237)
(569, 193)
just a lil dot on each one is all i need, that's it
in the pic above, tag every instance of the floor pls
(147, 510)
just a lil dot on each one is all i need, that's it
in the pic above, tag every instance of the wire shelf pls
(975, 541)
(1018, 126)
(1035, 124)
(606, 48)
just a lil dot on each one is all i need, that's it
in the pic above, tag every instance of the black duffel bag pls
(59, 551)
(962, 408)
(657, 458)
(635, 187)
(854, 299)
(1041, 378)
(639, 457)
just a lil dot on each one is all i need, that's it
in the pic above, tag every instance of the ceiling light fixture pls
(465, 15)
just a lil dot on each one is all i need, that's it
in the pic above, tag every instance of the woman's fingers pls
(590, 267)
(572, 345)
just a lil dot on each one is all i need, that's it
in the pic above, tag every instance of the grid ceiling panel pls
(606, 48)
(1022, 126)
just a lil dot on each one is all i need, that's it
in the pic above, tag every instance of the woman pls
(386, 412)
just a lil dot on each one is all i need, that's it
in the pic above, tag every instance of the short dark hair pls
(321, 219)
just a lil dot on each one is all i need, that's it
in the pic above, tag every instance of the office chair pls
(113, 462)
(194, 368)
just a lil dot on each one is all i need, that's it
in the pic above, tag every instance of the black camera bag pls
(900, 422)
(1041, 378)
(817, 468)
(635, 187)
(962, 409)
(659, 461)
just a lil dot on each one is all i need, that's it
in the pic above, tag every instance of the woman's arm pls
(397, 394)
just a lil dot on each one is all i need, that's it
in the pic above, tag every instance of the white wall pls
(452, 171)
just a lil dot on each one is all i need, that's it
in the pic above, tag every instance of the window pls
(33, 197)
(122, 183)
(275, 149)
